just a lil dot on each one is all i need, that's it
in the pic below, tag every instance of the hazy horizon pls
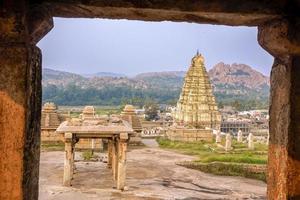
(88, 46)
(130, 75)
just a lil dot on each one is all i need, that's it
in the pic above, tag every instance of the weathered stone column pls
(68, 164)
(73, 159)
(114, 162)
(281, 39)
(109, 152)
(122, 148)
(20, 102)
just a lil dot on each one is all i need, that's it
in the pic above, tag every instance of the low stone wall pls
(51, 136)
(189, 135)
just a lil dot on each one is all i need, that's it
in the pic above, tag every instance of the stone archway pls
(23, 23)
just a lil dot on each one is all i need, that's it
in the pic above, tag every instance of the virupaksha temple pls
(197, 106)
(196, 114)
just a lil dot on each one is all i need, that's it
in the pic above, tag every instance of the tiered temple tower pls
(197, 105)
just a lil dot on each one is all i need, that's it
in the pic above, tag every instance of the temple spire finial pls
(197, 52)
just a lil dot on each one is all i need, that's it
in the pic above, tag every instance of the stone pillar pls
(73, 159)
(281, 39)
(240, 136)
(250, 141)
(218, 137)
(20, 105)
(68, 162)
(109, 152)
(228, 142)
(20, 108)
(20, 101)
(114, 162)
(122, 148)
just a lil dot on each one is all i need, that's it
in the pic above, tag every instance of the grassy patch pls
(87, 155)
(210, 157)
(210, 152)
(107, 110)
(52, 146)
(228, 169)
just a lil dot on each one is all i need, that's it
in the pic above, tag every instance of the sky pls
(87, 46)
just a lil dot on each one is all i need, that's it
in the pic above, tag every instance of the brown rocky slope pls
(237, 74)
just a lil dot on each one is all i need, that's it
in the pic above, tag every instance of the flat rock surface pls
(151, 174)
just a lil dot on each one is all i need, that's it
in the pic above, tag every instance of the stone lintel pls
(213, 11)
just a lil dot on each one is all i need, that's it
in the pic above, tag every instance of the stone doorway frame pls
(23, 23)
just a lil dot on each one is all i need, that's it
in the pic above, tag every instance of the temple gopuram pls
(196, 114)
(197, 106)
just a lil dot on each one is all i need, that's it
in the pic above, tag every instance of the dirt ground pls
(151, 175)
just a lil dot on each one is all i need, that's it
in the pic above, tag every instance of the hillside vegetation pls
(237, 84)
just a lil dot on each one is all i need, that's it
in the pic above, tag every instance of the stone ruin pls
(50, 120)
(240, 136)
(116, 132)
(88, 112)
(228, 142)
(251, 141)
(128, 114)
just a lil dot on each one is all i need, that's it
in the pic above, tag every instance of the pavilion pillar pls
(20, 108)
(122, 148)
(20, 99)
(72, 158)
(280, 39)
(109, 156)
(114, 159)
(69, 157)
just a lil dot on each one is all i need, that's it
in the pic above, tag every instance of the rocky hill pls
(230, 82)
(238, 74)
(104, 74)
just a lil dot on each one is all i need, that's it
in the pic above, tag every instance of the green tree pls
(151, 110)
